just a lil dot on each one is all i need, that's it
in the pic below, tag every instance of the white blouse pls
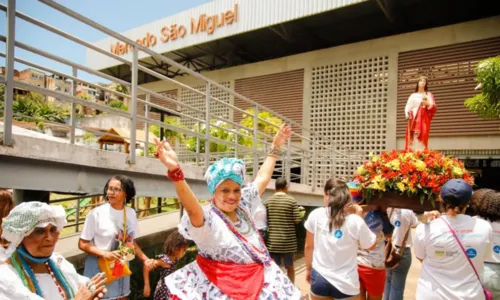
(12, 287)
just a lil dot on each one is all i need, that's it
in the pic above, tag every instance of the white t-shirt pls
(334, 255)
(260, 216)
(12, 287)
(446, 272)
(402, 219)
(494, 256)
(104, 227)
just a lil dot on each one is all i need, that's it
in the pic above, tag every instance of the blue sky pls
(119, 15)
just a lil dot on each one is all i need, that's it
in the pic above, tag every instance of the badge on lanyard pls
(439, 252)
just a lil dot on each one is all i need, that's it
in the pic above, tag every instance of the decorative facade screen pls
(349, 109)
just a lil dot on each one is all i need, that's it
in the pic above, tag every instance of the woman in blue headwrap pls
(233, 262)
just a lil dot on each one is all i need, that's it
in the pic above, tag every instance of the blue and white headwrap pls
(226, 168)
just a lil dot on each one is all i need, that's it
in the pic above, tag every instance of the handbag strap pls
(405, 239)
(462, 247)
(124, 236)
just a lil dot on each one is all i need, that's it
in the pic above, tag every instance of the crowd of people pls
(352, 250)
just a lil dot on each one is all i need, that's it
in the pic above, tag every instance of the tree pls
(224, 131)
(118, 104)
(487, 104)
(263, 126)
(172, 136)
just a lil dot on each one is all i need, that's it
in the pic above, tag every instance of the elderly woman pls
(233, 262)
(109, 232)
(32, 270)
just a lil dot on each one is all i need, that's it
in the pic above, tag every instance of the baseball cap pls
(457, 192)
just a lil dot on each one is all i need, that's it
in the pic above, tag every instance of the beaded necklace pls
(31, 282)
(260, 256)
(59, 288)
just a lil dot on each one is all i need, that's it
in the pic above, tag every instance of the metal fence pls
(77, 208)
(303, 155)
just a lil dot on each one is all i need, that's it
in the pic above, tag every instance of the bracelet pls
(274, 152)
(176, 175)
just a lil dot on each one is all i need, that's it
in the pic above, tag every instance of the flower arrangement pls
(414, 173)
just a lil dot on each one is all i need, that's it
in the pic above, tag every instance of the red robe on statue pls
(420, 117)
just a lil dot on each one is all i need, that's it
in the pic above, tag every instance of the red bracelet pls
(176, 175)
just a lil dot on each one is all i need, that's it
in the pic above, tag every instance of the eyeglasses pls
(114, 190)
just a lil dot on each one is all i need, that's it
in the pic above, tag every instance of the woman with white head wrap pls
(29, 268)
(233, 261)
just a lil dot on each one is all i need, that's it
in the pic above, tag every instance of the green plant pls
(168, 133)
(89, 138)
(487, 104)
(118, 104)
(224, 131)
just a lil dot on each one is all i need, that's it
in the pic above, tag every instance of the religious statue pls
(419, 111)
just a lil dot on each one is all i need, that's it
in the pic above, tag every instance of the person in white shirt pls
(485, 204)
(109, 231)
(447, 273)
(332, 240)
(402, 220)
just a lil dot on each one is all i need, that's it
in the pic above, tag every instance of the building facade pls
(354, 94)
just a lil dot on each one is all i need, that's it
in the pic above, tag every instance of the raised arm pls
(169, 158)
(266, 171)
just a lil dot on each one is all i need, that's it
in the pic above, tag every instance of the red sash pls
(240, 282)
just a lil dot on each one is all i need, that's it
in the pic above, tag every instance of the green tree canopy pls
(487, 104)
(226, 132)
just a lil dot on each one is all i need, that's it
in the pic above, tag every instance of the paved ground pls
(411, 281)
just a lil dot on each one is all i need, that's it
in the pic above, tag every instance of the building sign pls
(170, 33)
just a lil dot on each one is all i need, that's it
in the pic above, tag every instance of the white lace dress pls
(217, 242)
(12, 287)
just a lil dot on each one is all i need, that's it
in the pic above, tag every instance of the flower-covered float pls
(408, 179)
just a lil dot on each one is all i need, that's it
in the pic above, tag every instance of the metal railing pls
(75, 207)
(305, 153)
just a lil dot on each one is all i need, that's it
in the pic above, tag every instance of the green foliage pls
(122, 89)
(248, 121)
(168, 133)
(89, 138)
(172, 136)
(487, 104)
(83, 96)
(118, 104)
(225, 132)
(34, 105)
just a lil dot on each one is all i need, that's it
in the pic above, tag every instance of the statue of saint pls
(419, 111)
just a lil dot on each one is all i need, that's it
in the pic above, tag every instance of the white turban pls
(24, 218)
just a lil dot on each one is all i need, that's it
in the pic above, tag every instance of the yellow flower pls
(401, 186)
(420, 165)
(412, 188)
(361, 170)
(376, 186)
(395, 164)
(370, 154)
(375, 158)
(457, 171)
